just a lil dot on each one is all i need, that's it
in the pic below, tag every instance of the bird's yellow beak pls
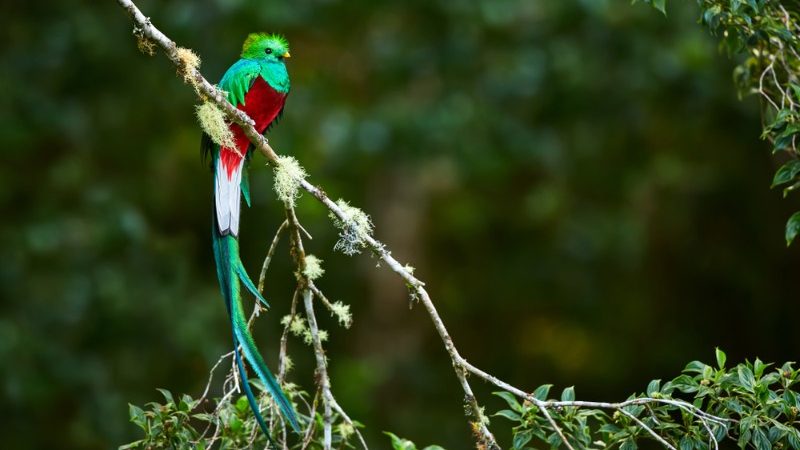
(287, 55)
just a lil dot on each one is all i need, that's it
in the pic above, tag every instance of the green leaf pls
(684, 383)
(235, 424)
(758, 368)
(522, 438)
(399, 443)
(721, 358)
(628, 444)
(511, 399)
(686, 443)
(720, 432)
(241, 404)
(695, 367)
(137, 416)
(508, 414)
(609, 428)
(775, 433)
(653, 387)
(760, 440)
(568, 394)
(433, 447)
(185, 406)
(542, 391)
(794, 439)
(790, 189)
(660, 5)
(790, 398)
(733, 405)
(796, 89)
(786, 173)
(784, 140)
(134, 444)
(167, 395)
(205, 417)
(711, 17)
(792, 228)
(554, 440)
(746, 378)
(744, 438)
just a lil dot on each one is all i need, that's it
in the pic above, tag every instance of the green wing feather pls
(238, 79)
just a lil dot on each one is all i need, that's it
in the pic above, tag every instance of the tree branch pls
(207, 92)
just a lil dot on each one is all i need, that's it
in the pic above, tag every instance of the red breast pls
(262, 103)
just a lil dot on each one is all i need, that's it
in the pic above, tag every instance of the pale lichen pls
(189, 62)
(145, 44)
(354, 228)
(313, 269)
(342, 313)
(288, 175)
(299, 327)
(290, 389)
(215, 124)
(288, 364)
(345, 430)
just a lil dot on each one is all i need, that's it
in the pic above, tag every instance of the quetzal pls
(257, 84)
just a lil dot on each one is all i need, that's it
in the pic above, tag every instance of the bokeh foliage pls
(767, 34)
(575, 180)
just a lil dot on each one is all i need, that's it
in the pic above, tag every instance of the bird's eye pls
(268, 51)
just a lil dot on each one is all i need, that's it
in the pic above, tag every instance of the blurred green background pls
(575, 180)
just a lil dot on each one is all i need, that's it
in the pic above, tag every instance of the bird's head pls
(272, 47)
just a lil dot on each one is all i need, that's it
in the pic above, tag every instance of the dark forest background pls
(576, 181)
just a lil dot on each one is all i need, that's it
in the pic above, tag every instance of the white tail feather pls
(227, 195)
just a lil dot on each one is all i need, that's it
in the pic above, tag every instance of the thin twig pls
(310, 430)
(262, 277)
(648, 429)
(320, 296)
(761, 85)
(347, 420)
(556, 428)
(207, 389)
(211, 375)
(322, 371)
(285, 337)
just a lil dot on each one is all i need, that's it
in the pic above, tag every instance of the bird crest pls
(256, 44)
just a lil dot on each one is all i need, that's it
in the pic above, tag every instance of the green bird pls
(257, 84)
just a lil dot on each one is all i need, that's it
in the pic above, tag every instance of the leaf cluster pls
(179, 424)
(189, 423)
(752, 404)
(166, 425)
